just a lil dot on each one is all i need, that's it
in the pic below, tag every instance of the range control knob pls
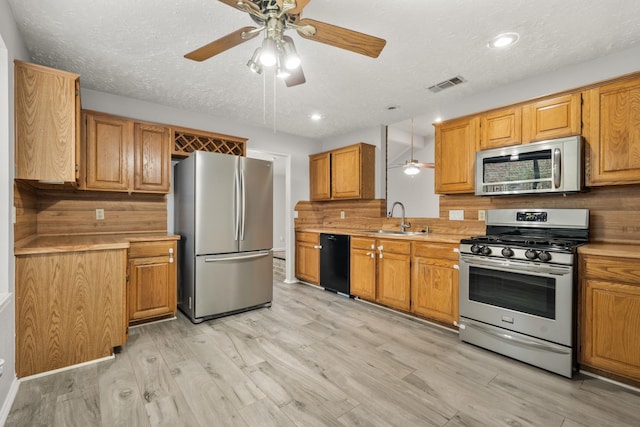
(507, 252)
(544, 256)
(475, 249)
(486, 250)
(531, 254)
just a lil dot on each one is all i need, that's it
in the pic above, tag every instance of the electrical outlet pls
(482, 215)
(456, 215)
(341, 214)
(99, 214)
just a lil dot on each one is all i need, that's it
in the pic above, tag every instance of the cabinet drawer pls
(436, 250)
(151, 249)
(362, 243)
(303, 236)
(610, 268)
(395, 246)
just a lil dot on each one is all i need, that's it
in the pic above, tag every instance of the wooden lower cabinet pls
(610, 316)
(152, 285)
(70, 308)
(308, 257)
(363, 268)
(434, 281)
(394, 278)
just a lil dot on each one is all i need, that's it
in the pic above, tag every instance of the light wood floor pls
(314, 359)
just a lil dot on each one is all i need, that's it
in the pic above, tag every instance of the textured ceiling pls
(136, 48)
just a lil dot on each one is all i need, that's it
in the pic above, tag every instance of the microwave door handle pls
(557, 167)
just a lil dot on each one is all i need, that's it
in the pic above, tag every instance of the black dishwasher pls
(334, 262)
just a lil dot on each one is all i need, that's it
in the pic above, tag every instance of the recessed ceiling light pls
(316, 116)
(503, 40)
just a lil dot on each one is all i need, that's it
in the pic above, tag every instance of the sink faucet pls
(403, 225)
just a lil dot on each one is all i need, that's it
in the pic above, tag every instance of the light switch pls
(99, 214)
(456, 215)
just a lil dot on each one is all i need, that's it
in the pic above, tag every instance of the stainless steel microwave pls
(552, 166)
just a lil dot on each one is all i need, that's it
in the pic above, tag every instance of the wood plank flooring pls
(314, 359)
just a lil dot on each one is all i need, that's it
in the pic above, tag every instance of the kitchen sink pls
(397, 232)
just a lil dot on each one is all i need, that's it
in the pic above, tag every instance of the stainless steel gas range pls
(518, 285)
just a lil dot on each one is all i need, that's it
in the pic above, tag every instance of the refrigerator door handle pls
(244, 204)
(235, 258)
(236, 201)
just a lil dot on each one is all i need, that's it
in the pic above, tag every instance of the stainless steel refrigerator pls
(224, 213)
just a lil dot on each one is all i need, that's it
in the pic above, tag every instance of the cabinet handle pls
(371, 254)
(170, 255)
(456, 267)
(317, 247)
(380, 248)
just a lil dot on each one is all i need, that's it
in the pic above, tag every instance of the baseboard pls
(8, 402)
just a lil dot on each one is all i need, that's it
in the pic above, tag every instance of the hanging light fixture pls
(268, 57)
(410, 167)
(292, 60)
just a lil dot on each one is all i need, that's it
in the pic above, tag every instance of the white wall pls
(11, 47)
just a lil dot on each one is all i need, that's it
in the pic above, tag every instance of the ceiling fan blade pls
(295, 78)
(222, 44)
(333, 35)
(426, 165)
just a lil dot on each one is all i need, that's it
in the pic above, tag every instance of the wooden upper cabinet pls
(613, 136)
(501, 128)
(552, 118)
(343, 174)
(455, 155)
(106, 152)
(47, 123)
(320, 176)
(123, 155)
(152, 158)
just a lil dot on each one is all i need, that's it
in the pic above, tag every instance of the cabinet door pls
(434, 284)
(47, 119)
(308, 257)
(152, 287)
(552, 118)
(394, 275)
(69, 308)
(345, 173)
(152, 158)
(611, 321)
(152, 279)
(363, 273)
(320, 176)
(455, 156)
(107, 152)
(501, 128)
(614, 134)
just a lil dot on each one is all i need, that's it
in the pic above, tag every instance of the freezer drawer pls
(232, 282)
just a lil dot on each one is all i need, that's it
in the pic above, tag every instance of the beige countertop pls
(622, 250)
(93, 242)
(426, 237)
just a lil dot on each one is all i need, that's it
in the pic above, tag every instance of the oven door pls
(534, 299)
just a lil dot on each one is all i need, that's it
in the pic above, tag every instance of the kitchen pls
(563, 79)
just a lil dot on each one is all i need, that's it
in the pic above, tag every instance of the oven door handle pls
(536, 269)
(515, 340)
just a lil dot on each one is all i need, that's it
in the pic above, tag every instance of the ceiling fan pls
(274, 17)
(412, 166)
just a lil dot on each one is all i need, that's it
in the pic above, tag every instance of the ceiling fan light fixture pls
(268, 56)
(411, 169)
(254, 62)
(281, 71)
(292, 60)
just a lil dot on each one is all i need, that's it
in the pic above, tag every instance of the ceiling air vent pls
(453, 81)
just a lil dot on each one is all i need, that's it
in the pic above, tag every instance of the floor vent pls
(453, 81)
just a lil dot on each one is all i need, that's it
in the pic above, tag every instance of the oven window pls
(515, 291)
